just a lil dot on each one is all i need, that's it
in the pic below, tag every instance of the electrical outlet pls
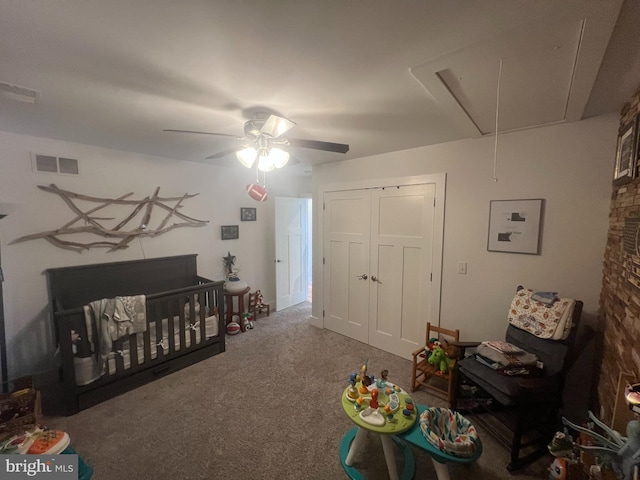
(462, 268)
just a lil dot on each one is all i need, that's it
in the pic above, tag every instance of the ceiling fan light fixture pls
(265, 162)
(246, 156)
(276, 126)
(278, 157)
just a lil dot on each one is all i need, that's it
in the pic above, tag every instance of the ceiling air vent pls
(17, 93)
(52, 164)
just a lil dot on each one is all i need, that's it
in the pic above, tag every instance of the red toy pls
(374, 398)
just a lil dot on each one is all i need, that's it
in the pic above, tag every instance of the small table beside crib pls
(229, 296)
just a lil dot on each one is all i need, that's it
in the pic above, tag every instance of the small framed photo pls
(229, 232)
(514, 226)
(626, 153)
(247, 214)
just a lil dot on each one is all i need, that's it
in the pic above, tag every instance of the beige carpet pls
(267, 408)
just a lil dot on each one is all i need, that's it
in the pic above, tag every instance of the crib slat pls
(171, 325)
(181, 323)
(146, 336)
(193, 318)
(133, 350)
(118, 347)
(202, 315)
(160, 342)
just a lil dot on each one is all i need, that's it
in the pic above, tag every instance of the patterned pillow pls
(449, 431)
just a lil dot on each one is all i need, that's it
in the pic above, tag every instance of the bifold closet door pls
(401, 263)
(346, 263)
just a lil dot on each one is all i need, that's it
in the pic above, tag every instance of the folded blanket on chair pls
(545, 321)
(519, 359)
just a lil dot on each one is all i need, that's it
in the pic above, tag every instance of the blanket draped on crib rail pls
(113, 318)
(552, 321)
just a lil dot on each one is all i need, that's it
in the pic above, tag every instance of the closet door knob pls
(362, 277)
(375, 279)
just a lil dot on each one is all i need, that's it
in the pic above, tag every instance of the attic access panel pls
(548, 69)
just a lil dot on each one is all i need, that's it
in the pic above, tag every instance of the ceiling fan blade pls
(222, 153)
(276, 126)
(317, 145)
(202, 133)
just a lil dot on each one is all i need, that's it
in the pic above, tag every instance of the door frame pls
(440, 180)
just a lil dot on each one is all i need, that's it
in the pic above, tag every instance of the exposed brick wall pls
(619, 299)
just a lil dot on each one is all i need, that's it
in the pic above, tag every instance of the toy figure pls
(247, 320)
(561, 445)
(440, 359)
(558, 469)
(259, 299)
(365, 379)
(374, 398)
(352, 393)
(431, 344)
(382, 381)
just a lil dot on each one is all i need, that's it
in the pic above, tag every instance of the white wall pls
(110, 173)
(569, 165)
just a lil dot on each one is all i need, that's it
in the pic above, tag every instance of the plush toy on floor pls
(247, 319)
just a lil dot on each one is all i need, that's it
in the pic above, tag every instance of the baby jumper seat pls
(449, 431)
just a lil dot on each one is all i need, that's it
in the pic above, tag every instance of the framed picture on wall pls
(229, 232)
(514, 226)
(626, 153)
(247, 214)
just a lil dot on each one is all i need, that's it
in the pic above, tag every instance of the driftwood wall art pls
(92, 224)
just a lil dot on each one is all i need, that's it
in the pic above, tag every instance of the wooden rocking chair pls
(256, 307)
(428, 375)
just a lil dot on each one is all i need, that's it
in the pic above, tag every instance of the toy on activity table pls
(364, 379)
(373, 403)
(381, 383)
(352, 393)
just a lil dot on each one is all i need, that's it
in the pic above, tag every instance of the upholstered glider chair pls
(524, 404)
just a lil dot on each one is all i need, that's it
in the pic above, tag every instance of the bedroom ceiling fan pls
(264, 141)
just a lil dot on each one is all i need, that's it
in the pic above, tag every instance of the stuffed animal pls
(259, 299)
(440, 359)
(428, 348)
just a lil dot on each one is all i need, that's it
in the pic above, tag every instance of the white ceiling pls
(378, 75)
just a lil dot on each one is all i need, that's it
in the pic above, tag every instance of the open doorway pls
(293, 251)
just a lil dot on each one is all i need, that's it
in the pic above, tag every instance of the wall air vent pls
(52, 164)
(17, 93)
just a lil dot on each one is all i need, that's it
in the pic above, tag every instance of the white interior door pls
(401, 264)
(291, 221)
(346, 263)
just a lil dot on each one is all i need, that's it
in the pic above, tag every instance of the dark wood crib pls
(184, 315)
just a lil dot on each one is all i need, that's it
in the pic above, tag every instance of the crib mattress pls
(87, 369)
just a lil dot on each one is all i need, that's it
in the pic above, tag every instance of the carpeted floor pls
(267, 408)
